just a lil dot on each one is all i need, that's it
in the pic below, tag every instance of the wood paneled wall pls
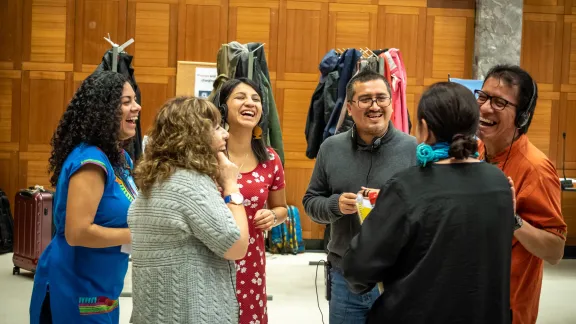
(47, 47)
(549, 54)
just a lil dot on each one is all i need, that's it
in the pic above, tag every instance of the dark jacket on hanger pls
(346, 69)
(125, 68)
(322, 103)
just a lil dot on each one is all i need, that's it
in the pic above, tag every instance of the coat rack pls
(116, 49)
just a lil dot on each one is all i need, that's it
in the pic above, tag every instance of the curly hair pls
(180, 137)
(93, 117)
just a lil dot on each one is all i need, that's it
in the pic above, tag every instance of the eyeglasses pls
(366, 103)
(495, 102)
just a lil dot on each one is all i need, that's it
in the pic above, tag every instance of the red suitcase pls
(32, 227)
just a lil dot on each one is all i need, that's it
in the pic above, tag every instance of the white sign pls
(204, 81)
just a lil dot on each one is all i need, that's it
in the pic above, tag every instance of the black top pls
(440, 240)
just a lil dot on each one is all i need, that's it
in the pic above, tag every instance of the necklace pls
(240, 168)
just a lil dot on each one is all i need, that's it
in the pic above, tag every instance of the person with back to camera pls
(439, 235)
(261, 181)
(81, 273)
(507, 103)
(366, 155)
(183, 232)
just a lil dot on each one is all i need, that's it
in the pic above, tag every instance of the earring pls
(257, 132)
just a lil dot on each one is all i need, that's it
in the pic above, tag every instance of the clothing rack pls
(117, 49)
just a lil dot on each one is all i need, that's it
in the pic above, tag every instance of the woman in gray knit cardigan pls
(183, 233)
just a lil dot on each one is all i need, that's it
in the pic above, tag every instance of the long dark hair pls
(93, 117)
(258, 145)
(452, 115)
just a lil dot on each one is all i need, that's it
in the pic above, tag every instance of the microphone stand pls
(566, 183)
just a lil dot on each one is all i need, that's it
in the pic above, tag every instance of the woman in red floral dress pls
(261, 182)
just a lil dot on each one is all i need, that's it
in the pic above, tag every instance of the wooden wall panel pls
(539, 131)
(48, 30)
(9, 109)
(10, 34)
(95, 19)
(449, 44)
(6, 110)
(296, 103)
(352, 26)
(203, 29)
(44, 99)
(548, 54)
(539, 43)
(303, 26)
(567, 122)
(9, 174)
(255, 22)
(405, 28)
(153, 96)
(152, 34)
(33, 170)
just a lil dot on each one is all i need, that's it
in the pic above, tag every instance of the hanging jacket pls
(274, 134)
(322, 102)
(398, 77)
(346, 68)
(134, 147)
(226, 61)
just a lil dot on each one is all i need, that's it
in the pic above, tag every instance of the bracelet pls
(275, 217)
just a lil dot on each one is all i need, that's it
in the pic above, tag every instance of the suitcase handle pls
(32, 190)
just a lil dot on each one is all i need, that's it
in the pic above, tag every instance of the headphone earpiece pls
(373, 147)
(523, 118)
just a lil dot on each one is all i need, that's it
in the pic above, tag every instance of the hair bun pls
(462, 147)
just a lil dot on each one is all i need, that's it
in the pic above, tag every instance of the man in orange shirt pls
(507, 103)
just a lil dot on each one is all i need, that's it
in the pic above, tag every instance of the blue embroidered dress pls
(85, 283)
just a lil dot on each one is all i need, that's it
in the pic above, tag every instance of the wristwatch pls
(517, 222)
(235, 198)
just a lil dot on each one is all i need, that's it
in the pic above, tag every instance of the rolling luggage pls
(33, 227)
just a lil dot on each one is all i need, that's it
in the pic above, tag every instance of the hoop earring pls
(257, 132)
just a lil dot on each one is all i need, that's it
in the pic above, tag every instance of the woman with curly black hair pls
(81, 273)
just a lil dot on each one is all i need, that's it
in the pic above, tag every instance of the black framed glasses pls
(495, 102)
(366, 103)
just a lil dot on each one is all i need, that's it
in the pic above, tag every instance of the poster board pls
(195, 78)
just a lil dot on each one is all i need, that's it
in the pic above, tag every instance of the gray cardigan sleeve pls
(210, 220)
(319, 202)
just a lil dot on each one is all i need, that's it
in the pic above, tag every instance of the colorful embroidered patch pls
(98, 163)
(125, 190)
(96, 305)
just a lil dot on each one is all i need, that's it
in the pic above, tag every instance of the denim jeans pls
(345, 306)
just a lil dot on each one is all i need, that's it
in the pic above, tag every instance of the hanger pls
(370, 52)
(116, 49)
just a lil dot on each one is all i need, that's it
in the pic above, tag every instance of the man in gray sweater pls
(367, 155)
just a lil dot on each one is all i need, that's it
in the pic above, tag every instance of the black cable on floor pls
(323, 262)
